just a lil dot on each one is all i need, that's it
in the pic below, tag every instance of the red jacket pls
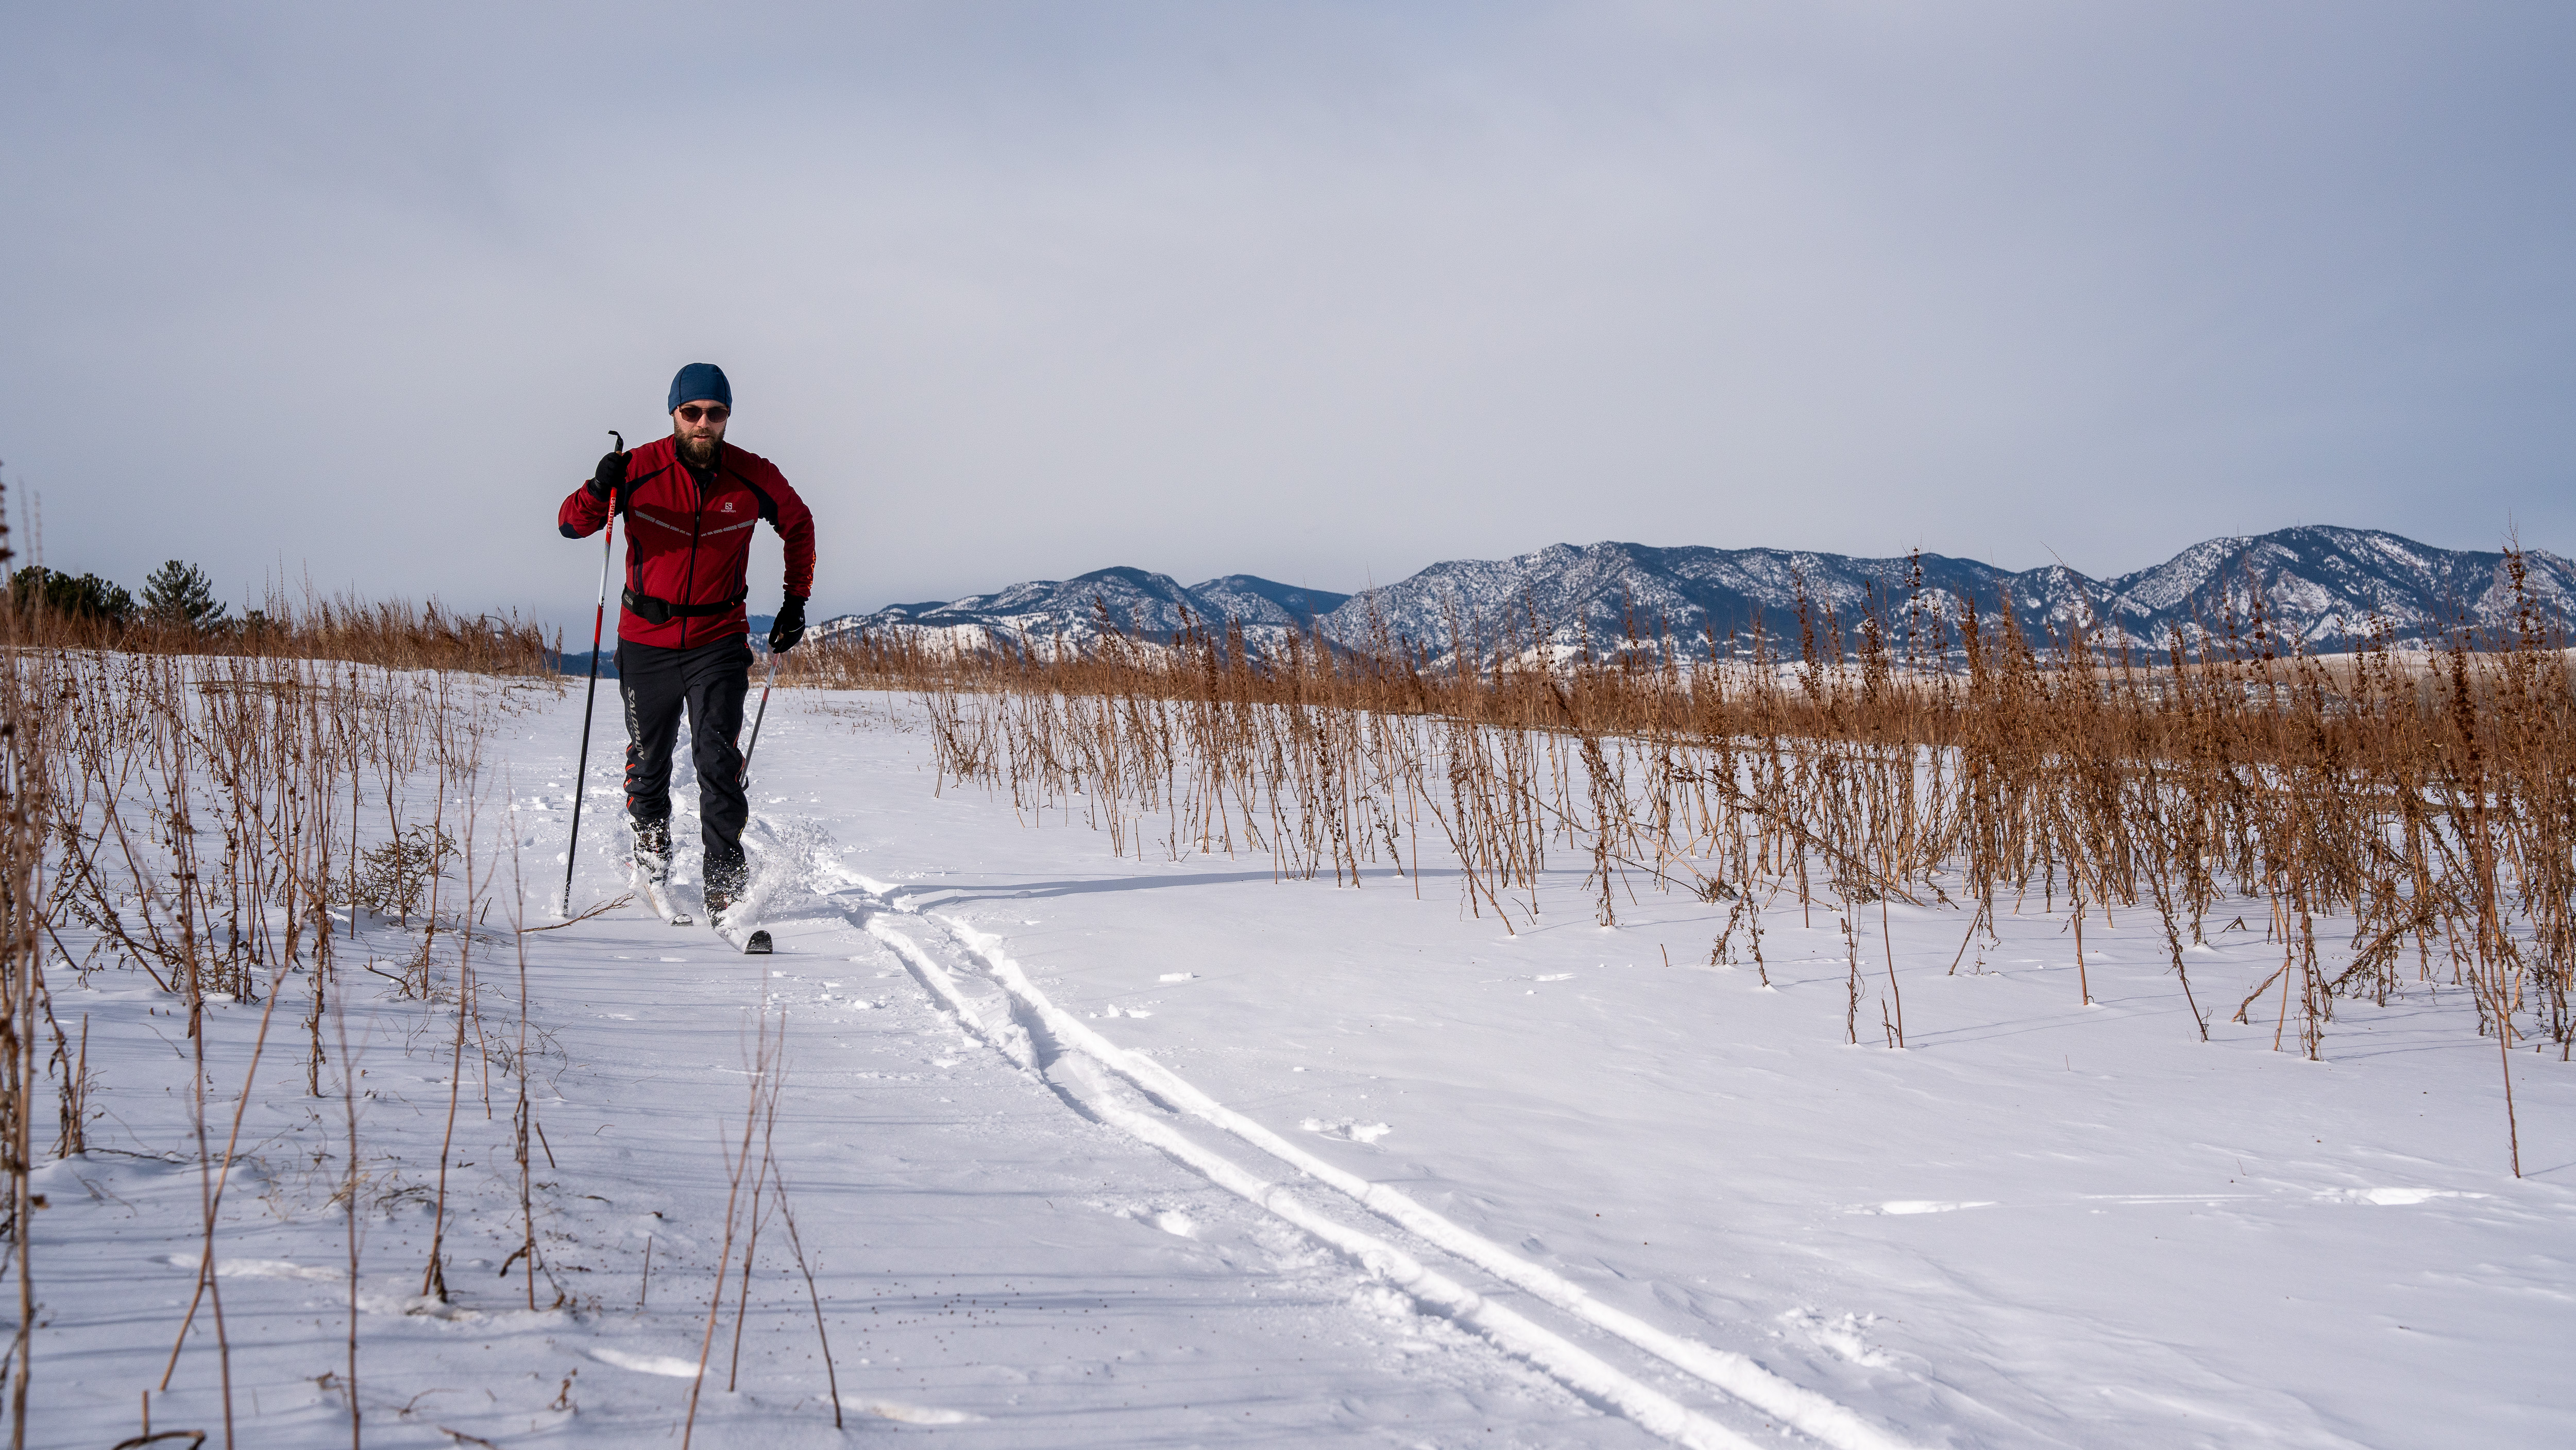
(687, 549)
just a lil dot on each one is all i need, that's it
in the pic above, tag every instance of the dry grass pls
(2426, 800)
(198, 806)
(308, 625)
(270, 830)
(25, 817)
(277, 830)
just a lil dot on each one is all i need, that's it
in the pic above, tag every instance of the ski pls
(659, 903)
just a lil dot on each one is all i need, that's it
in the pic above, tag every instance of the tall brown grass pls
(306, 624)
(227, 812)
(284, 818)
(281, 810)
(26, 809)
(2425, 801)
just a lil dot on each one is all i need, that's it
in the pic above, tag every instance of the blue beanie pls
(699, 383)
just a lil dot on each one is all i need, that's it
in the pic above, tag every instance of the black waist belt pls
(659, 611)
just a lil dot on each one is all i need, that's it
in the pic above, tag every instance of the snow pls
(1088, 1151)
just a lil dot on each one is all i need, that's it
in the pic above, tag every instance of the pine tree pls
(86, 596)
(180, 593)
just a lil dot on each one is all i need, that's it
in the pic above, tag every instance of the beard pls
(698, 451)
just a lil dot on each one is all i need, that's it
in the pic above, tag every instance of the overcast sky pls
(1325, 293)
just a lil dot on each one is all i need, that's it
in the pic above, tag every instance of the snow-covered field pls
(1092, 1152)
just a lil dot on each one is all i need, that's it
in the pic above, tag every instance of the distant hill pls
(1149, 605)
(2319, 588)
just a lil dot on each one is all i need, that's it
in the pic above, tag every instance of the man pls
(690, 501)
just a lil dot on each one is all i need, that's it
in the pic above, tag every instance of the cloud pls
(1320, 292)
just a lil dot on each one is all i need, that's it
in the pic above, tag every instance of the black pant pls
(710, 680)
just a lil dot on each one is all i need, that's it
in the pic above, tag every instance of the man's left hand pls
(788, 627)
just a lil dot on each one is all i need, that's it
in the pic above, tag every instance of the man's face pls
(699, 426)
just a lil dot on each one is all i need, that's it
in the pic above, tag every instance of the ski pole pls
(757, 717)
(598, 623)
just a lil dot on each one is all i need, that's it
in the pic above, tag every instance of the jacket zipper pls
(697, 522)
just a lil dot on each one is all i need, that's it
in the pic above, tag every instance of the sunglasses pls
(713, 412)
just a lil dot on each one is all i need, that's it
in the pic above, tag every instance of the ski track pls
(1018, 1021)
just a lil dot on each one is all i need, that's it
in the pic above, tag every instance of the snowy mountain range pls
(2319, 587)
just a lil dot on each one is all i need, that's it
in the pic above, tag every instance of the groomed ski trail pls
(1091, 1061)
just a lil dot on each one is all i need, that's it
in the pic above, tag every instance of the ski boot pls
(653, 853)
(725, 884)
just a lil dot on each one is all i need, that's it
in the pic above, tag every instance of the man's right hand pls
(610, 474)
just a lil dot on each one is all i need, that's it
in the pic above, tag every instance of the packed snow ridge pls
(2317, 588)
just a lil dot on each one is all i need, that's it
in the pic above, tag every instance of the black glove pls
(788, 627)
(611, 474)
